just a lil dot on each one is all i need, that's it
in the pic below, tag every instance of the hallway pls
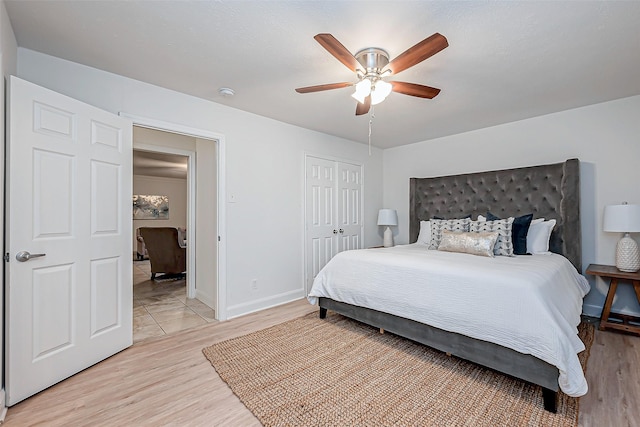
(162, 307)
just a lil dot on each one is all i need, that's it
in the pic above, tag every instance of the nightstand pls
(617, 321)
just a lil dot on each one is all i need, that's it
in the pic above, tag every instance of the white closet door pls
(321, 222)
(333, 212)
(349, 207)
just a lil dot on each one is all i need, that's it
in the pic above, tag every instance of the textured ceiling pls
(506, 60)
(159, 164)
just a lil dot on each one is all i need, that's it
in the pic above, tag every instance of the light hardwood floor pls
(613, 375)
(168, 381)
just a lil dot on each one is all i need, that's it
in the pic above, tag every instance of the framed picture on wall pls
(150, 207)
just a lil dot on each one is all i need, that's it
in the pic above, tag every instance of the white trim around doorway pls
(219, 140)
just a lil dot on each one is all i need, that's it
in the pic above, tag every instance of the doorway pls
(161, 303)
(165, 167)
(210, 211)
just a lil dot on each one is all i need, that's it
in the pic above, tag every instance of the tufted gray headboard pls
(547, 191)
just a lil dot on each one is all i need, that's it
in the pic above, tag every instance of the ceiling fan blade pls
(363, 107)
(335, 48)
(414, 89)
(418, 53)
(319, 88)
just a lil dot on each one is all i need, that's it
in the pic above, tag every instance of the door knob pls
(24, 256)
(341, 231)
(335, 231)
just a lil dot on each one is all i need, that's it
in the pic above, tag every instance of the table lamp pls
(388, 217)
(625, 219)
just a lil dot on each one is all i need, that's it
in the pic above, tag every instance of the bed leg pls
(323, 312)
(550, 398)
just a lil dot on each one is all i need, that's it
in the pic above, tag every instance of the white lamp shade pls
(387, 217)
(622, 218)
(363, 89)
(380, 92)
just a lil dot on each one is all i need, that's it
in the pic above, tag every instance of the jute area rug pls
(339, 372)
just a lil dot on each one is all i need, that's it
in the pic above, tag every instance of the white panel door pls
(349, 207)
(69, 199)
(321, 244)
(333, 213)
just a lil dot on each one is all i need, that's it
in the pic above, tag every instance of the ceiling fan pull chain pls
(371, 116)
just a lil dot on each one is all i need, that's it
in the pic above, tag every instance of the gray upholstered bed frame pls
(549, 191)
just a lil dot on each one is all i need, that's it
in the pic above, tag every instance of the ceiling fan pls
(372, 65)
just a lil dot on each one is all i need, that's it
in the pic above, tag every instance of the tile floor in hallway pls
(162, 307)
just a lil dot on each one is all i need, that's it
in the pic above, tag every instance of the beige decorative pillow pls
(439, 225)
(473, 243)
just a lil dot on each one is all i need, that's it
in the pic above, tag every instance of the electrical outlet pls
(254, 285)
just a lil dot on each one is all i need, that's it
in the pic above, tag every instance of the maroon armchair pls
(165, 253)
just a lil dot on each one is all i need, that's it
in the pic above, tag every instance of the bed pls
(548, 191)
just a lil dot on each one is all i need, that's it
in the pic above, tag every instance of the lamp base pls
(388, 238)
(627, 254)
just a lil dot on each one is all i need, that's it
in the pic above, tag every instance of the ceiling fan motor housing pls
(373, 60)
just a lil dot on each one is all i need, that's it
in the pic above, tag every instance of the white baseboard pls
(207, 299)
(264, 303)
(591, 310)
(3, 410)
(596, 310)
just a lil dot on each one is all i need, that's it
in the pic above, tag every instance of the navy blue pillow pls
(519, 231)
(462, 217)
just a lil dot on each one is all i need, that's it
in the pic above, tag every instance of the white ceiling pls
(506, 60)
(159, 164)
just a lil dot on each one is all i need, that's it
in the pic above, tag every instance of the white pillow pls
(539, 235)
(481, 218)
(424, 238)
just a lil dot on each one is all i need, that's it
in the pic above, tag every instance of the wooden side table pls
(617, 321)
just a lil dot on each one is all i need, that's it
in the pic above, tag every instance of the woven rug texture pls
(339, 372)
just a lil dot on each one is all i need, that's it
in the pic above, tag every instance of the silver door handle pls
(341, 231)
(24, 256)
(335, 231)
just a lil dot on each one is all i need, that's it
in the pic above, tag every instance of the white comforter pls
(531, 304)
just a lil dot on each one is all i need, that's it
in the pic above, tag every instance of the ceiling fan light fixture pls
(363, 89)
(381, 90)
(372, 64)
